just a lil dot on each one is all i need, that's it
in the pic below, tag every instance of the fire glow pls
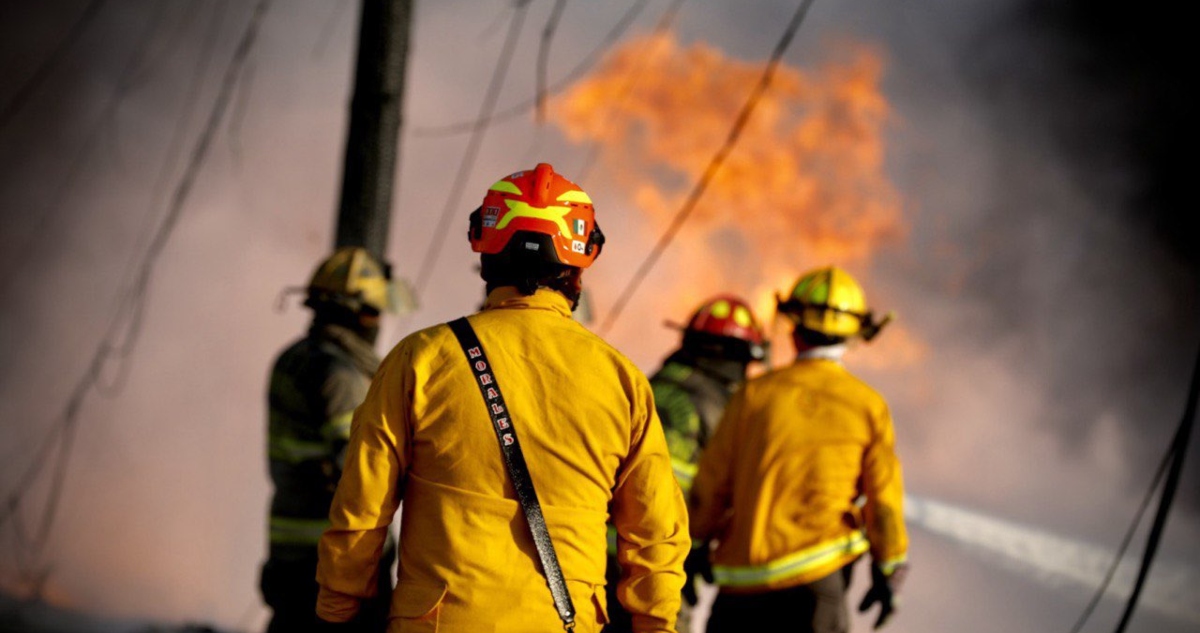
(805, 185)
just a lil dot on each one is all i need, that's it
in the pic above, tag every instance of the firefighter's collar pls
(824, 352)
(361, 352)
(508, 297)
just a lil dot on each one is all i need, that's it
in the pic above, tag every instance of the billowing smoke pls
(956, 161)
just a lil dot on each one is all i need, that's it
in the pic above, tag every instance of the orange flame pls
(805, 185)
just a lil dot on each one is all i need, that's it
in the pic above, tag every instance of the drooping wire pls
(1126, 540)
(241, 105)
(125, 82)
(1179, 449)
(30, 86)
(468, 161)
(713, 165)
(133, 308)
(524, 107)
(593, 152)
(175, 147)
(543, 58)
(328, 28)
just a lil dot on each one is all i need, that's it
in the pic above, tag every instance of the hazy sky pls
(1018, 157)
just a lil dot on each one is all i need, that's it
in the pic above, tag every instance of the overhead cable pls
(66, 185)
(467, 163)
(593, 152)
(124, 336)
(713, 165)
(1163, 466)
(30, 85)
(1179, 446)
(524, 107)
(543, 57)
(135, 300)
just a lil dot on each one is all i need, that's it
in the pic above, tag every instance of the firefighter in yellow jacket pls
(586, 421)
(801, 478)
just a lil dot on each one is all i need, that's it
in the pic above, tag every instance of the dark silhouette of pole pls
(372, 152)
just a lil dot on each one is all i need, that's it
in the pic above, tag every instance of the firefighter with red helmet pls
(584, 414)
(691, 389)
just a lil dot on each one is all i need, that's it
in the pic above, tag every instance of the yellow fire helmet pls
(355, 279)
(829, 301)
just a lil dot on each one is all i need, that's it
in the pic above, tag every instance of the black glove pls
(883, 590)
(696, 563)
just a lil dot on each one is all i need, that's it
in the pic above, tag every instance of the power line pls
(698, 190)
(328, 28)
(578, 71)
(1179, 449)
(125, 82)
(472, 151)
(1125, 541)
(133, 307)
(175, 147)
(589, 160)
(543, 57)
(23, 94)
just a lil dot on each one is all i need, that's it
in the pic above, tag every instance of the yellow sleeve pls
(884, 490)
(651, 521)
(713, 487)
(368, 492)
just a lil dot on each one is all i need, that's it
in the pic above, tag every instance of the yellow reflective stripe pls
(792, 564)
(742, 317)
(338, 427)
(289, 449)
(521, 209)
(506, 186)
(888, 566)
(575, 196)
(685, 472)
(297, 531)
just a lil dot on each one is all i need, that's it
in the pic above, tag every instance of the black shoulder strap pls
(502, 423)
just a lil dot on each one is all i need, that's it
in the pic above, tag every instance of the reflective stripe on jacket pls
(585, 418)
(778, 482)
(315, 385)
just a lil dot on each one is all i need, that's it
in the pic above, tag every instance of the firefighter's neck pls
(807, 351)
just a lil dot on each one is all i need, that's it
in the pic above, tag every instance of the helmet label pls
(490, 215)
(578, 246)
(580, 228)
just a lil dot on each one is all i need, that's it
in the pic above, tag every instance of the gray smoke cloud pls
(1060, 322)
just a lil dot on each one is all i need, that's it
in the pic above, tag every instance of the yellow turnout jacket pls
(800, 479)
(586, 421)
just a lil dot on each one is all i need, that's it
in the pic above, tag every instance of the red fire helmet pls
(541, 212)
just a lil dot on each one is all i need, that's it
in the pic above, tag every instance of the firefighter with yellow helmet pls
(589, 436)
(315, 385)
(691, 389)
(801, 478)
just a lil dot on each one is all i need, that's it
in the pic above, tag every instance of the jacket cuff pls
(333, 606)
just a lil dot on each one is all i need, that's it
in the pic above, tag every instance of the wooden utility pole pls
(372, 152)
